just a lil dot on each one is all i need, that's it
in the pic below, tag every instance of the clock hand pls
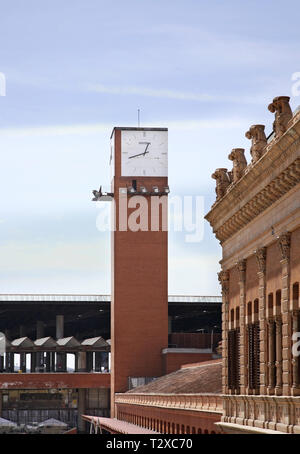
(145, 152)
(140, 154)
(147, 145)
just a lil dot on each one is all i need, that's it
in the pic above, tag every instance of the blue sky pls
(74, 69)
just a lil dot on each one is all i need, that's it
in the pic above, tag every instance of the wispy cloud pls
(174, 94)
(96, 128)
(55, 130)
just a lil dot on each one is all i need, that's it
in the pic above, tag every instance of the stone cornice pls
(264, 182)
(192, 402)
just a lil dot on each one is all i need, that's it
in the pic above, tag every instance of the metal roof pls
(98, 298)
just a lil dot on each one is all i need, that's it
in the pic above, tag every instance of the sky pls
(77, 68)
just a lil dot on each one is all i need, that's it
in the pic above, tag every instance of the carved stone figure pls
(222, 182)
(239, 163)
(242, 270)
(283, 113)
(260, 255)
(257, 134)
(223, 277)
(284, 243)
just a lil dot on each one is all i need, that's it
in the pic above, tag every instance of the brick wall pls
(173, 361)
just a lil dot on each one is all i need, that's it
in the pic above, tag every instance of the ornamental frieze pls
(272, 192)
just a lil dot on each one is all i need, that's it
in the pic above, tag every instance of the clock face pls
(144, 153)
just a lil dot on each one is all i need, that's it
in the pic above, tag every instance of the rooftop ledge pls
(274, 174)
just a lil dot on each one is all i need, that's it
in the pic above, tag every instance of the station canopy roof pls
(23, 342)
(68, 342)
(45, 342)
(95, 342)
(52, 423)
(99, 298)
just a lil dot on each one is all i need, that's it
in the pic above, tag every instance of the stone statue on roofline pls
(257, 134)
(237, 156)
(283, 114)
(222, 182)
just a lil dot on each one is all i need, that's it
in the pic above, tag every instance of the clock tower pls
(139, 294)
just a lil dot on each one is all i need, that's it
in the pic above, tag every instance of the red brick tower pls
(139, 296)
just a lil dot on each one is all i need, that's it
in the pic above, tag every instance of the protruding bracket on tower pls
(100, 196)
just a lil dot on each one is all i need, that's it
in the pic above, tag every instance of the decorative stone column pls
(278, 363)
(260, 255)
(224, 281)
(295, 360)
(243, 347)
(271, 363)
(284, 241)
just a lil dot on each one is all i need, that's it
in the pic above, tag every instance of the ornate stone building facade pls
(256, 218)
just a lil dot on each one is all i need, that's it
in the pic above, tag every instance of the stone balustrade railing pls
(195, 402)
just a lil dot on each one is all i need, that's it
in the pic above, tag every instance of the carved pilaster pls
(260, 255)
(278, 362)
(284, 244)
(295, 359)
(242, 270)
(223, 277)
(271, 363)
(241, 265)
